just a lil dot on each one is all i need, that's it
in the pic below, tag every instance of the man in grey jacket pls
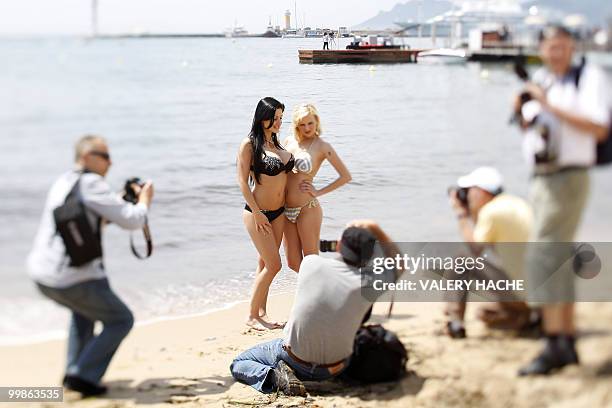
(85, 289)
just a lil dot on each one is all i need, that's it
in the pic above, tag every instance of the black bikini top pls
(273, 166)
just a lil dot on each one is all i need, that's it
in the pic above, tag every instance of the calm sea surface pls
(175, 111)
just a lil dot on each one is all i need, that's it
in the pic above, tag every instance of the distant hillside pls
(597, 11)
(408, 11)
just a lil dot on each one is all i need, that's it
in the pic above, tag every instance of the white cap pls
(487, 178)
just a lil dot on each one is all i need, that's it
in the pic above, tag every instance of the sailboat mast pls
(94, 17)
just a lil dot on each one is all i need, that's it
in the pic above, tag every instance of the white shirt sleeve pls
(594, 96)
(98, 197)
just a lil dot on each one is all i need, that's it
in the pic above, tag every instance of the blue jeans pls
(89, 355)
(253, 367)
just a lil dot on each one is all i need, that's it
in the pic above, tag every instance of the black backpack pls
(82, 243)
(378, 356)
(604, 149)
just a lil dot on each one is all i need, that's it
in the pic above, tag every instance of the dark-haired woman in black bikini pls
(263, 160)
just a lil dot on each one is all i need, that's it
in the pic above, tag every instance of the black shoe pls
(455, 329)
(287, 382)
(86, 388)
(558, 352)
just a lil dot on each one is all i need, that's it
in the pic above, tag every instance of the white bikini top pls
(303, 161)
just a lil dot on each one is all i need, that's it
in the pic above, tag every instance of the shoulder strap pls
(73, 191)
(73, 195)
(577, 71)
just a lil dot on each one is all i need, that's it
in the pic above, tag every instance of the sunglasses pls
(102, 155)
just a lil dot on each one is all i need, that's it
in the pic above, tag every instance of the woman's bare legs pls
(293, 246)
(263, 308)
(309, 229)
(260, 267)
(267, 246)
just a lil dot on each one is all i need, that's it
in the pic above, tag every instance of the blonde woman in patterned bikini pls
(302, 209)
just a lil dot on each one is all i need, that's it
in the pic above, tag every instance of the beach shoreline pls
(186, 361)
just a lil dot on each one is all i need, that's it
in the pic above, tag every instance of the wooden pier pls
(369, 56)
(504, 55)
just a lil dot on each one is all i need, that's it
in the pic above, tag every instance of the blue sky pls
(126, 16)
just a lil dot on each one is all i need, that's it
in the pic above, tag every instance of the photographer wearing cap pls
(564, 112)
(66, 261)
(487, 216)
(327, 312)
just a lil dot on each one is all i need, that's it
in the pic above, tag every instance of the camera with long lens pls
(461, 194)
(328, 246)
(130, 195)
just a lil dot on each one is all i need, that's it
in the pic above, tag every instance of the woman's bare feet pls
(260, 324)
(265, 317)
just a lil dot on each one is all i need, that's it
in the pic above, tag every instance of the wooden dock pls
(370, 56)
(504, 55)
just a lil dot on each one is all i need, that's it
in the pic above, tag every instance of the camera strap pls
(147, 235)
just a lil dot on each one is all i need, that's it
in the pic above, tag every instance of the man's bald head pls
(91, 154)
(86, 144)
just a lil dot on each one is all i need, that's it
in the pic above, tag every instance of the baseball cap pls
(486, 178)
(357, 246)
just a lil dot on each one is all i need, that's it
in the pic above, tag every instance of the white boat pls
(237, 31)
(293, 34)
(443, 56)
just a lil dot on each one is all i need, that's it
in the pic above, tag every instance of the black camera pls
(328, 246)
(130, 194)
(521, 72)
(462, 194)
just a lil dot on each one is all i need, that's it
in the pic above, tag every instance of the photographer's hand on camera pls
(458, 207)
(145, 195)
(537, 93)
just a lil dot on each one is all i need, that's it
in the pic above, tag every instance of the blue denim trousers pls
(253, 367)
(88, 354)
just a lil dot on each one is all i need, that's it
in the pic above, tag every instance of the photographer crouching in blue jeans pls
(328, 310)
(66, 261)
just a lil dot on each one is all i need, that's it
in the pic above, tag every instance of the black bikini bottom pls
(271, 215)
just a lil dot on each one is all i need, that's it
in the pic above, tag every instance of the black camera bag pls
(82, 243)
(604, 149)
(378, 356)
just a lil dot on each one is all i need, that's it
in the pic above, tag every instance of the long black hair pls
(266, 110)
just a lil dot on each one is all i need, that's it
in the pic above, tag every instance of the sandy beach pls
(185, 362)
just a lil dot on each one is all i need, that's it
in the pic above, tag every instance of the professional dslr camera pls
(462, 195)
(130, 194)
(328, 246)
(538, 124)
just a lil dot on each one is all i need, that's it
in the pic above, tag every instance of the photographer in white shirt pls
(568, 115)
(85, 289)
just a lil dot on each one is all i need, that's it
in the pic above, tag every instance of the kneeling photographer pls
(67, 265)
(327, 313)
(488, 217)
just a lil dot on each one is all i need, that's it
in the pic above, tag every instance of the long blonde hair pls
(299, 113)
